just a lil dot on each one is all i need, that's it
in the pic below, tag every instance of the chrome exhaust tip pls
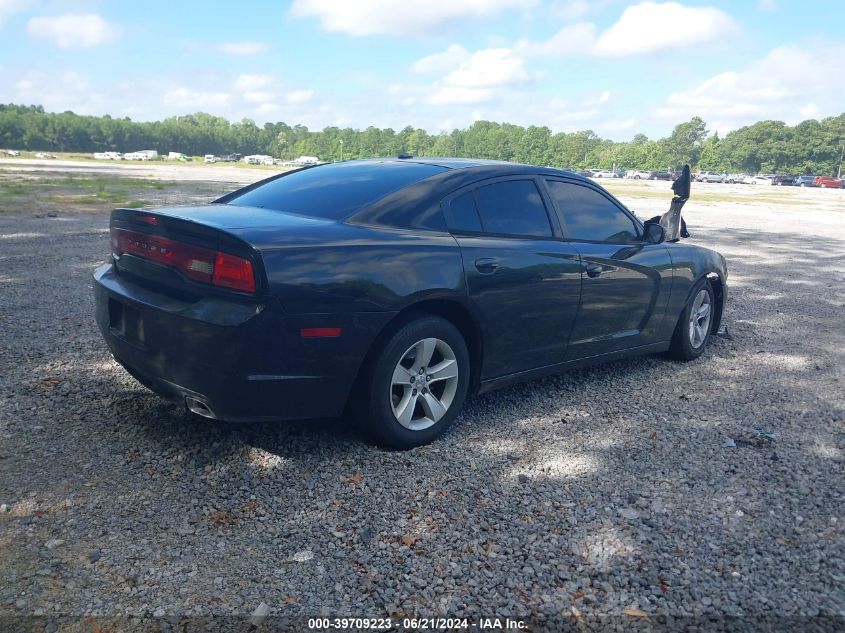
(199, 407)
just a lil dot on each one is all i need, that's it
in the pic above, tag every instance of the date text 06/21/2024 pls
(486, 624)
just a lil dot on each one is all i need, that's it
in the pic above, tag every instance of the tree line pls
(810, 147)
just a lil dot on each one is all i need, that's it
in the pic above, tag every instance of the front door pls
(625, 281)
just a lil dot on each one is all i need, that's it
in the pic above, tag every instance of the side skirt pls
(548, 370)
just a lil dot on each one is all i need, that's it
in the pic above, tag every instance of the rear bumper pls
(244, 362)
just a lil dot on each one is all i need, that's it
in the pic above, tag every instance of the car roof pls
(418, 205)
(478, 167)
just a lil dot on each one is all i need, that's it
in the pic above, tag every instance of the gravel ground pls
(638, 486)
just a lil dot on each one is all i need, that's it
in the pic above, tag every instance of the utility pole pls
(341, 150)
(841, 154)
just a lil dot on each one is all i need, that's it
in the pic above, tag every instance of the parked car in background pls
(258, 159)
(239, 311)
(756, 180)
(660, 175)
(736, 179)
(637, 174)
(783, 181)
(827, 182)
(586, 173)
(709, 176)
(210, 158)
(605, 173)
(803, 181)
(108, 155)
(44, 155)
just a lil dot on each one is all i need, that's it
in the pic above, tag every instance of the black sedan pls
(393, 288)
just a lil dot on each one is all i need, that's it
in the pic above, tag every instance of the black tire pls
(682, 347)
(374, 409)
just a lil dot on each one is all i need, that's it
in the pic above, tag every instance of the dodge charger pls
(392, 289)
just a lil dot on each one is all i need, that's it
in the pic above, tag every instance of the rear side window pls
(513, 207)
(333, 191)
(463, 216)
(589, 215)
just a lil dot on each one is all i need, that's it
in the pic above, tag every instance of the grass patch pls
(13, 189)
(102, 183)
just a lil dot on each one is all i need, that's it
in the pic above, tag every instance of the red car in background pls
(827, 181)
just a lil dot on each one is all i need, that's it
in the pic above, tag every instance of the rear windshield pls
(334, 191)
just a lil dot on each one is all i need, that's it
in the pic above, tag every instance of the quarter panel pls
(363, 269)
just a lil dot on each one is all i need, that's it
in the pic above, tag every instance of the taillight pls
(233, 272)
(203, 265)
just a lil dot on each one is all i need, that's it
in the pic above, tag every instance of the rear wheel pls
(693, 329)
(416, 385)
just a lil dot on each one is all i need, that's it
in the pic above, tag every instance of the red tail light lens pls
(233, 272)
(195, 262)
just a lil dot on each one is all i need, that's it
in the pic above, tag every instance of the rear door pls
(523, 280)
(625, 281)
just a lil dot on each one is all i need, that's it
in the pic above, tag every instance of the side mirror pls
(654, 233)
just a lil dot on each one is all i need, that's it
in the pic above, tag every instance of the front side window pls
(513, 207)
(589, 216)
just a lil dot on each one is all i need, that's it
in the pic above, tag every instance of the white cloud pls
(767, 5)
(573, 39)
(490, 67)
(257, 97)
(248, 83)
(242, 48)
(809, 110)
(458, 95)
(570, 9)
(10, 7)
(384, 17)
(443, 61)
(299, 96)
(591, 101)
(479, 78)
(188, 98)
(651, 26)
(618, 125)
(788, 84)
(73, 30)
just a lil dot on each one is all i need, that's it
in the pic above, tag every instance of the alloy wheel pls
(699, 322)
(424, 384)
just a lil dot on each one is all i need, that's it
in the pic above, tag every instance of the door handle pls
(594, 270)
(486, 265)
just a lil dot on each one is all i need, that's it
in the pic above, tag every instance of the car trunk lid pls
(186, 251)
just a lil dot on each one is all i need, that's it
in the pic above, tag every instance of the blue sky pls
(612, 66)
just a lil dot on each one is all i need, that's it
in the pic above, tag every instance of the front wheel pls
(416, 385)
(693, 328)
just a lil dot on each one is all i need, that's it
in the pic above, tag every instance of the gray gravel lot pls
(602, 490)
